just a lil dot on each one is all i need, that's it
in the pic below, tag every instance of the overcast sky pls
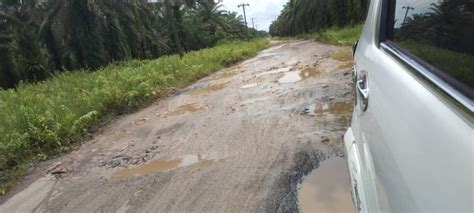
(264, 11)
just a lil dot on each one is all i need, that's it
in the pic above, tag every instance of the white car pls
(410, 144)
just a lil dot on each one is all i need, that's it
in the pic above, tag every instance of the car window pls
(439, 33)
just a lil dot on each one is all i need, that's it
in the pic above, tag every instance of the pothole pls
(326, 189)
(181, 110)
(275, 71)
(340, 108)
(165, 165)
(296, 76)
(345, 66)
(206, 90)
(309, 73)
(341, 55)
(290, 77)
(227, 74)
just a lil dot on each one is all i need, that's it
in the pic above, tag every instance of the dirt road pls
(239, 140)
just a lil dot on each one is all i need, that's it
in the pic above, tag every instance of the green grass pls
(43, 119)
(455, 64)
(344, 36)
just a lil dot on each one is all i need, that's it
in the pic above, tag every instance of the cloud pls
(264, 11)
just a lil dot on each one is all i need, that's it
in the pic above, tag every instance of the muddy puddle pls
(207, 90)
(341, 55)
(326, 189)
(335, 108)
(164, 165)
(184, 109)
(345, 66)
(309, 73)
(227, 74)
(296, 76)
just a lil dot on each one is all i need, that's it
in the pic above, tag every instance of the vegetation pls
(39, 38)
(442, 36)
(455, 64)
(448, 24)
(344, 36)
(42, 119)
(312, 16)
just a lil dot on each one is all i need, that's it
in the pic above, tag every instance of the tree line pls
(448, 24)
(306, 16)
(41, 37)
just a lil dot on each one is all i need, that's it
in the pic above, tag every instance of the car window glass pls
(440, 32)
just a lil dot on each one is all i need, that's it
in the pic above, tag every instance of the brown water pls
(309, 73)
(341, 55)
(326, 189)
(188, 108)
(206, 90)
(345, 66)
(227, 74)
(163, 165)
(334, 108)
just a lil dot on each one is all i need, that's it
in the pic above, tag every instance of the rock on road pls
(239, 140)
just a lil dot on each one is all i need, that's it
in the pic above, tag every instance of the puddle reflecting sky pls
(296, 76)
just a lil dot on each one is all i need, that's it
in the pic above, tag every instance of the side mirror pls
(354, 48)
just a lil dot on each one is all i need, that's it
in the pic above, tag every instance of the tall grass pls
(43, 119)
(344, 36)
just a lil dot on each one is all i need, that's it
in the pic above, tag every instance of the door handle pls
(362, 86)
(364, 92)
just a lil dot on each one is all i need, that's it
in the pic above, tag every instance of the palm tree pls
(210, 13)
(171, 7)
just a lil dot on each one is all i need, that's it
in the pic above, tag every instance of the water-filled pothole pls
(341, 108)
(164, 165)
(296, 76)
(341, 55)
(326, 189)
(227, 74)
(188, 108)
(206, 90)
(290, 77)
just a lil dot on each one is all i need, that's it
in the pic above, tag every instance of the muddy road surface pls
(240, 140)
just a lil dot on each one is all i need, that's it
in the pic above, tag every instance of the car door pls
(410, 145)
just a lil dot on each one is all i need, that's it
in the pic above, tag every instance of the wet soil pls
(240, 140)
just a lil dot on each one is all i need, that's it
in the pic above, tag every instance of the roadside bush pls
(43, 119)
(342, 36)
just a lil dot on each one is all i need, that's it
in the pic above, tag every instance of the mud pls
(236, 141)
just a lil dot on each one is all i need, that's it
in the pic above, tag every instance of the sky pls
(264, 11)
(419, 6)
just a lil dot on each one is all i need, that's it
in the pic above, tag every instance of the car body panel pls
(414, 146)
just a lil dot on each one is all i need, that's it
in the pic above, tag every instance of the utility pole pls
(245, 18)
(408, 8)
(253, 23)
